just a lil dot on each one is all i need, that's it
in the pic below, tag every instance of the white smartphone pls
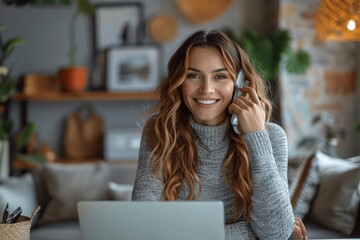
(239, 83)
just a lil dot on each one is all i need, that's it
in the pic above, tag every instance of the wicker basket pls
(19, 230)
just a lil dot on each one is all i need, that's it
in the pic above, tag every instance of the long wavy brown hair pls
(174, 156)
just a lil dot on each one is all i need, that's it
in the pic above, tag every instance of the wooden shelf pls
(86, 95)
(22, 165)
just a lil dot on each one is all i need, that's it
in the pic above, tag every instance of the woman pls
(189, 150)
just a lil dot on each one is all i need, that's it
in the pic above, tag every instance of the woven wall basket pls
(332, 18)
(163, 28)
(202, 11)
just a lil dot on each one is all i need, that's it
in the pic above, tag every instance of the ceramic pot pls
(73, 78)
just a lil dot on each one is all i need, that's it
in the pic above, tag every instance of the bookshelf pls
(23, 99)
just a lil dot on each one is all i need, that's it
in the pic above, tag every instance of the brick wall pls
(329, 86)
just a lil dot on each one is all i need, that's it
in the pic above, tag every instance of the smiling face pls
(208, 87)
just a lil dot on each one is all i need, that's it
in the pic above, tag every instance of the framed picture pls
(117, 24)
(134, 68)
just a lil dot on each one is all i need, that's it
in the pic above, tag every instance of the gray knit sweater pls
(271, 215)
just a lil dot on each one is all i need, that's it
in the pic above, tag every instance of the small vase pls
(73, 78)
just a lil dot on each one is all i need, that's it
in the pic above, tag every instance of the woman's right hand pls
(250, 111)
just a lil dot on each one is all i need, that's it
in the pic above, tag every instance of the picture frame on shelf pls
(118, 24)
(133, 68)
(115, 25)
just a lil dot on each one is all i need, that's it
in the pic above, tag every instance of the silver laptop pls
(116, 220)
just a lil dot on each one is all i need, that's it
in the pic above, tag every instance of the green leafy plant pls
(7, 90)
(7, 87)
(21, 140)
(358, 128)
(267, 53)
(5, 129)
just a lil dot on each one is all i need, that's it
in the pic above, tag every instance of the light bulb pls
(351, 25)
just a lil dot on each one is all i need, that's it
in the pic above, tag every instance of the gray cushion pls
(66, 184)
(120, 192)
(317, 231)
(336, 203)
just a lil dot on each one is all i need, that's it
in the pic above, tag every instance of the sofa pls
(58, 187)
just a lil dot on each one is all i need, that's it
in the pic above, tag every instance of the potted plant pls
(7, 90)
(74, 77)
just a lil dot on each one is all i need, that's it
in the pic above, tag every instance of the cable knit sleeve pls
(147, 187)
(271, 216)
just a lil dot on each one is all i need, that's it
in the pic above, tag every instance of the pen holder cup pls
(19, 230)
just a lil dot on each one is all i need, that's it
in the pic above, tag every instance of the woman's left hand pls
(299, 229)
(250, 111)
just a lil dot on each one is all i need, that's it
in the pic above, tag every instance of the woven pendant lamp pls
(338, 20)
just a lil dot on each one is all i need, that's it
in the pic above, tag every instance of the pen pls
(6, 213)
(15, 215)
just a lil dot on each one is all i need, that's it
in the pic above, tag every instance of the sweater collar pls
(212, 137)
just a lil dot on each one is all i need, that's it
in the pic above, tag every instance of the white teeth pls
(206, 101)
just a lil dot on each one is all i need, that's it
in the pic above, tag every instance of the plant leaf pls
(262, 55)
(12, 43)
(24, 135)
(297, 62)
(280, 41)
(85, 7)
(32, 158)
(7, 90)
(3, 133)
(5, 129)
(260, 52)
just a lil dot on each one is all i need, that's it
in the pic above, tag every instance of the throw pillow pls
(68, 183)
(337, 201)
(303, 179)
(120, 192)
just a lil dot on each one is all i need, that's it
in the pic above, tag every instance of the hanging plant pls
(267, 53)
